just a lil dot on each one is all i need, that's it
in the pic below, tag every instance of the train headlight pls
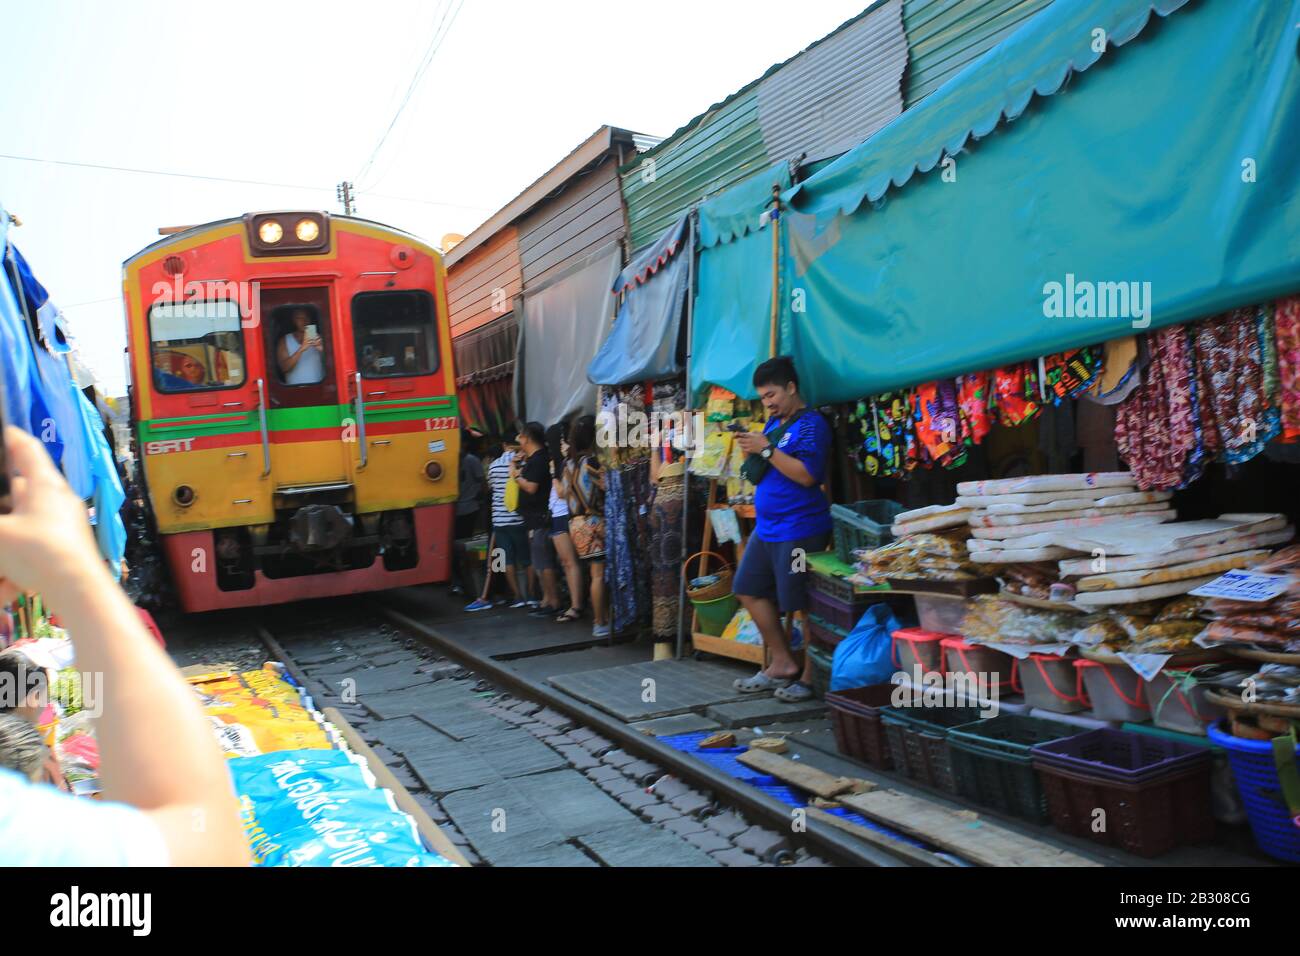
(270, 232)
(432, 470)
(307, 230)
(183, 496)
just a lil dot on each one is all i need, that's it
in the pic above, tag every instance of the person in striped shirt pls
(508, 547)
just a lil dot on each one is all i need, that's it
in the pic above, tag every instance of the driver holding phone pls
(300, 352)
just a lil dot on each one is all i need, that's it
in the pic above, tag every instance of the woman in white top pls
(300, 357)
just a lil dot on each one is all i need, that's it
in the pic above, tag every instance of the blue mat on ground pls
(724, 759)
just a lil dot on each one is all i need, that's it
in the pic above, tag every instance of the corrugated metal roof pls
(835, 95)
(944, 35)
(726, 144)
(723, 148)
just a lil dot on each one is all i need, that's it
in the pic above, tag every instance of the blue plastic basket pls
(1256, 775)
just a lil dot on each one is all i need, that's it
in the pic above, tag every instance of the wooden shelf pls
(710, 644)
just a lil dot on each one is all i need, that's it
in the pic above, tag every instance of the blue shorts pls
(767, 570)
(512, 539)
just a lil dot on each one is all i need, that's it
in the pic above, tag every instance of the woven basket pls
(719, 589)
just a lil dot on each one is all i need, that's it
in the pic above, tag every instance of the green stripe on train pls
(297, 419)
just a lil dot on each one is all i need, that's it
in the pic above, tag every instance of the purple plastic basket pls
(1119, 756)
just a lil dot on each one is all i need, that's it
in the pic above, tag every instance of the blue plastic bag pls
(865, 656)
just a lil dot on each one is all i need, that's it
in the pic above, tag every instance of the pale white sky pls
(299, 93)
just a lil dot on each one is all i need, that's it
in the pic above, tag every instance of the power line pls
(434, 44)
(222, 179)
(158, 172)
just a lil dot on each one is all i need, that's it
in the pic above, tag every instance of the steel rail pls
(826, 840)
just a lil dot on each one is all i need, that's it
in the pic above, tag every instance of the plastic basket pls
(1146, 818)
(823, 635)
(840, 589)
(1115, 691)
(834, 611)
(992, 761)
(918, 741)
(863, 524)
(855, 717)
(821, 669)
(1255, 772)
(1120, 756)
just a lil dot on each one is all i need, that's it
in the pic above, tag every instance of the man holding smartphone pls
(787, 465)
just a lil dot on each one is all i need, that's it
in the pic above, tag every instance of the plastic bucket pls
(915, 647)
(1115, 691)
(977, 661)
(1051, 683)
(712, 617)
(1174, 707)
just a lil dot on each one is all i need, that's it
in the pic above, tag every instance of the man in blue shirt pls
(793, 521)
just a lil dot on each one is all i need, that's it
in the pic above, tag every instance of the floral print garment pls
(1286, 335)
(1154, 429)
(1230, 385)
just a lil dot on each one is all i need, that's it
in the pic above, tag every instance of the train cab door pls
(306, 371)
(408, 446)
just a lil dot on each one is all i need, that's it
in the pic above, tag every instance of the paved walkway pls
(691, 695)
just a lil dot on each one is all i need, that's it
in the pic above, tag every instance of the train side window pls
(395, 333)
(299, 344)
(196, 346)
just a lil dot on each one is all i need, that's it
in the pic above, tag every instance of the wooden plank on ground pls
(963, 834)
(799, 775)
(905, 851)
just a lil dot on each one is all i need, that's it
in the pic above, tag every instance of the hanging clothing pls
(1230, 388)
(883, 425)
(1286, 335)
(666, 555)
(976, 398)
(1121, 371)
(1017, 394)
(1154, 429)
(1069, 374)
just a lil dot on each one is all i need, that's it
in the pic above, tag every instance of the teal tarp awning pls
(1173, 162)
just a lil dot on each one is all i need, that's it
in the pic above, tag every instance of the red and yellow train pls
(294, 407)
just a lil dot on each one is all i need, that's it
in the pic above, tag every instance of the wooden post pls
(776, 268)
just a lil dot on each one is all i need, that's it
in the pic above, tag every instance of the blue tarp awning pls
(642, 345)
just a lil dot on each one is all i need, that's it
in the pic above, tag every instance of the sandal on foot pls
(572, 614)
(759, 683)
(796, 692)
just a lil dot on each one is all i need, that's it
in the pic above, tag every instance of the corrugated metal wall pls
(944, 35)
(836, 94)
(472, 281)
(723, 148)
(585, 217)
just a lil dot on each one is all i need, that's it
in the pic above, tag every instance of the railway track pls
(513, 773)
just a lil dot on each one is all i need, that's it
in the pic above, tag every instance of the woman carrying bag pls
(584, 489)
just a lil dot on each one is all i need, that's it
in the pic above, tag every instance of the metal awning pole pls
(686, 467)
